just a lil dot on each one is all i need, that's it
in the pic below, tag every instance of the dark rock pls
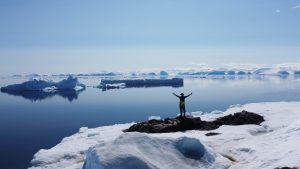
(287, 168)
(241, 118)
(212, 134)
(154, 121)
(194, 123)
(186, 123)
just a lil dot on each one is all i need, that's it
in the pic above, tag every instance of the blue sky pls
(53, 36)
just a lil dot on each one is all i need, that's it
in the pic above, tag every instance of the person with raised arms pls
(182, 102)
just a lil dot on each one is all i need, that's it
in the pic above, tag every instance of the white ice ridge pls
(39, 84)
(273, 144)
(142, 151)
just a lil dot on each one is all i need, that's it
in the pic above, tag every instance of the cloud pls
(296, 7)
(277, 11)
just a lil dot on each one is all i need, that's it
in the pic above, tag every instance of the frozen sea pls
(30, 121)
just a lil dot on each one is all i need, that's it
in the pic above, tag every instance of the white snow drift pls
(141, 151)
(273, 144)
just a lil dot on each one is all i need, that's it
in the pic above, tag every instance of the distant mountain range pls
(278, 70)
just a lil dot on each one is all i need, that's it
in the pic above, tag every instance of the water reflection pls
(34, 96)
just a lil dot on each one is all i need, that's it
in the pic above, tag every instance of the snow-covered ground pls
(273, 144)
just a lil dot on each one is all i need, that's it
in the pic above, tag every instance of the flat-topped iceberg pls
(273, 144)
(104, 86)
(216, 73)
(174, 82)
(38, 84)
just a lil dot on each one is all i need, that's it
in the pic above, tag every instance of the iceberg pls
(262, 71)
(216, 73)
(297, 73)
(231, 73)
(272, 71)
(163, 73)
(151, 74)
(241, 73)
(105, 87)
(242, 69)
(192, 73)
(174, 82)
(39, 84)
(283, 73)
(105, 74)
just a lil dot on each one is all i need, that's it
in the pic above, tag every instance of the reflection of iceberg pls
(174, 82)
(40, 89)
(38, 95)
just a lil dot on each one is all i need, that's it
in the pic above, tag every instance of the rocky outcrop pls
(194, 123)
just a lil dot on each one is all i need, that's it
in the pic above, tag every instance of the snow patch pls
(154, 118)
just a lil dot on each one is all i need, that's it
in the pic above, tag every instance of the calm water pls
(33, 121)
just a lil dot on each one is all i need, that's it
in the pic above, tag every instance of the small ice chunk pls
(154, 118)
(235, 106)
(216, 112)
(83, 129)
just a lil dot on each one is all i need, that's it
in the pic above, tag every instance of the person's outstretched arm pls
(175, 95)
(188, 95)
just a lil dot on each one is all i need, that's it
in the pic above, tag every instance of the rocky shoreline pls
(195, 123)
